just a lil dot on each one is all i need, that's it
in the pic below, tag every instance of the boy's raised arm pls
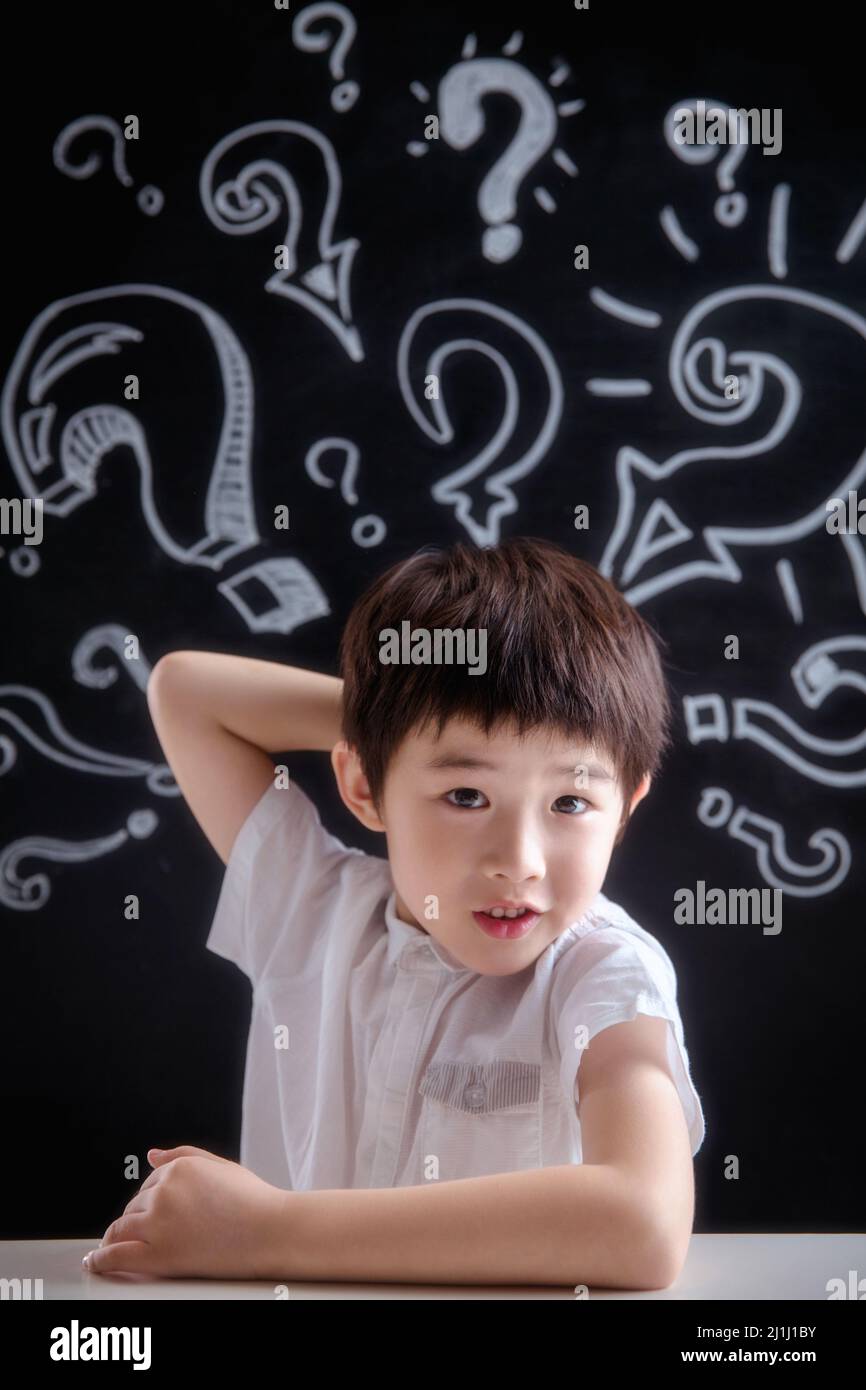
(219, 717)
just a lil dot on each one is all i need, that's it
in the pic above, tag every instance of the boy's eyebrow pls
(594, 771)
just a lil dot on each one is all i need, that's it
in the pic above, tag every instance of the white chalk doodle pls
(788, 584)
(626, 313)
(730, 206)
(29, 894)
(344, 96)
(628, 386)
(462, 123)
(349, 473)
(777, 232)
(853, 237)
(451, 490)
(769, 840)
(368, 530)
(33, 716)
(676, 235)
(275, 594)
(59, 458)
(244, 202)
(56, 451)
(777, 241)
(815, 675)
(149, 198)
(24, 561)
(110, 637)
(648, 524)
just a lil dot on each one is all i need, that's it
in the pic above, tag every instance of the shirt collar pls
(405, 934)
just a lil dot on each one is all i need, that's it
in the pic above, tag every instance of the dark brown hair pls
(564, 651)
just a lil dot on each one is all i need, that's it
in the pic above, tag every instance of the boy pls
(436, 1091)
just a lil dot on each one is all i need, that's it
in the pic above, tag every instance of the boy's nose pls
(514, 868)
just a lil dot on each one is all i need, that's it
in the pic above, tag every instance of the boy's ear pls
(353, 785)
(640, 791)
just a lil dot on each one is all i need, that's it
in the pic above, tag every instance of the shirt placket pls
(419, 978)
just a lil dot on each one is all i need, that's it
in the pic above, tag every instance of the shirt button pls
(475, 1095)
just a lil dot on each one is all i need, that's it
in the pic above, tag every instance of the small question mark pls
(366, 530)
(149, 198)
(768, 839)
(344, 96)
(816, 675)
(730, 207)
(461, 123)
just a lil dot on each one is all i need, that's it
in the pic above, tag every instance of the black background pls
(120, 1035)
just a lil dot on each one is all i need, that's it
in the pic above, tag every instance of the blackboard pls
(302, 386)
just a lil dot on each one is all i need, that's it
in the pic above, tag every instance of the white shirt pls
(402, 1065)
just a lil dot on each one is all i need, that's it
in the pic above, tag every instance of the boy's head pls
(570, 708)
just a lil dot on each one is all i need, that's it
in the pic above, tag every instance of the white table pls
(718, 1267)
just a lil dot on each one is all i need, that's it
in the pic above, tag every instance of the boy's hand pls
(196, 1214)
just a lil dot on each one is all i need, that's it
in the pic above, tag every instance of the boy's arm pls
(620, 1219)
(565, 1225)
(218, 717)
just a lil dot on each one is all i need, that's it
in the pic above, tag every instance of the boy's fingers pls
(130, 1226)
(130, 1255)
(182, 1151)
(140, 1202)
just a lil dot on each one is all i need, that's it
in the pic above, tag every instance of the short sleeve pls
(282, 866)
(610, 976)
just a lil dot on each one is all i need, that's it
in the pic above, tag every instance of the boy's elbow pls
(160, 674)
(158, 671)
(660, 1252)
(646, 1251)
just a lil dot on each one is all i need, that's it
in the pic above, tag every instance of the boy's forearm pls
(274, 706)
(565, 1225)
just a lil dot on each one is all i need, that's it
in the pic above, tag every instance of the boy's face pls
(530, 828)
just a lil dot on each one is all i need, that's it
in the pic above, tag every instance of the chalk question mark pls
(730, 207)
(242, 202)
(768, 839)
(461, 123)
(366, 530)
(344, 96)
(839, 762)
(149, 198)
(429, 340)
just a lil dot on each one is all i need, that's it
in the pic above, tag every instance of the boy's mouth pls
(504, 927)
(503, 907)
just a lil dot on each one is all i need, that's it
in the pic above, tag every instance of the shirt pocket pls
(479, 1118)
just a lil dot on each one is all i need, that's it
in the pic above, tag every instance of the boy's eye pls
(459, 791)
(473, 791)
